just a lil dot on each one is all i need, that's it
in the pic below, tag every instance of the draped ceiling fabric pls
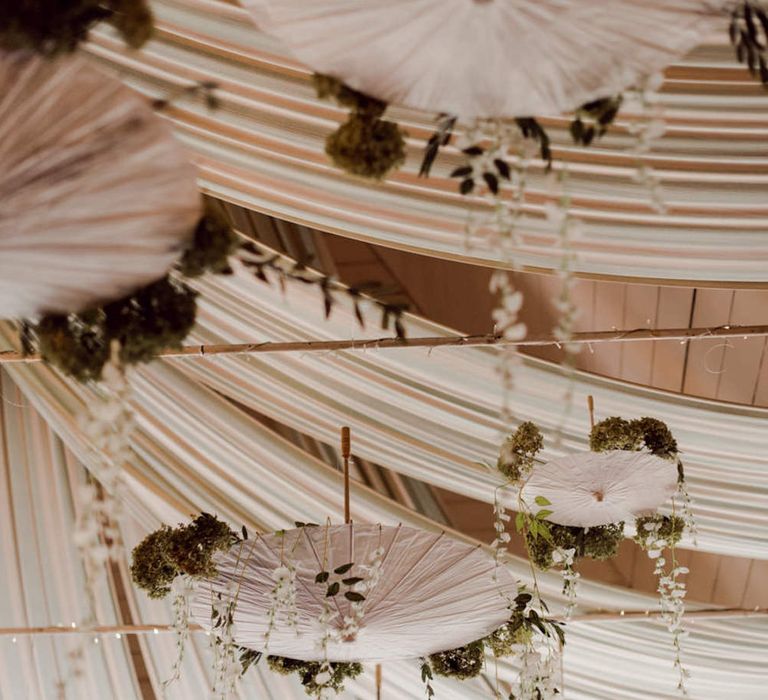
(203, 453)
(433, 415)
(264, 149)
(504, 58)
(98, 197)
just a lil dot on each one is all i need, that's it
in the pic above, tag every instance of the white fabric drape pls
(98, 198)
(434, 415)
(264, 149)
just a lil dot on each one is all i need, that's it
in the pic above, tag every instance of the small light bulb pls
(95, 640)
(14, 640)
(74, 625)
(621, 612)
(156, 631)
(117, 635)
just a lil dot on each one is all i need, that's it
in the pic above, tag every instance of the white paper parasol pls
(488, 58)
(596, 488)
(434, 593)
(97, 196)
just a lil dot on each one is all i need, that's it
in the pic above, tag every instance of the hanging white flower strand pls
(671, 590)
(182, 589)
(108, 423)
(226, 666)
(283, 593)
(648, 128)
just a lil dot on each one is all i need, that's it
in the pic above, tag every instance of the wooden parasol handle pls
(591, 407)
(346, 451)
(378, 681)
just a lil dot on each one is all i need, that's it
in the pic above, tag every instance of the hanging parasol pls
(488, 58)
(586, 489)
(98, 198)
(434, 593)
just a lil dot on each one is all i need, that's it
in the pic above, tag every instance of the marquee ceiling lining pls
(264, 149)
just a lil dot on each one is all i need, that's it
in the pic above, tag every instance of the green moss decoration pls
(368, 148)
(155, 317)
(192, 546)
(75, 344)
(502, 641)
(213, 242)
(158, 316)
(600, 542)
(365, 145)
(462, 663)
(618, 434)
(187, 549)
(519, 450)
(53, 27)
(308, 670)
(329, 88)
(671, 529)
(614, 434)
(152, 568)
(657, 437)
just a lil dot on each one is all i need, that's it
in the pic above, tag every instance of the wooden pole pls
(598, 616)
(587, 338)
(378, 681)
(591, 407)
(346, 451)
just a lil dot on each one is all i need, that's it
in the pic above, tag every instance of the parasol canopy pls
(488, 58)
(433, 594)
(97, 196)
(586, 489)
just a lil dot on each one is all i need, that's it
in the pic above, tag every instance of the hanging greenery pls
(551, 545)
(308, 672)
(517, 454)
(266, 264)
(748, 31)
(592, 119)
(365, 145)
(187, 549)
(52, 27)
(599, 542)
(462, 663)
(153, 318)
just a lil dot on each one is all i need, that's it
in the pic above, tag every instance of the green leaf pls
(322, 577)
(343, 569)
(519, 521)
(533, 528)
(462, 171)
(544, 532)
(354, 597)
(541, 501)
(542, 514)
(503, 167)
(492, 181)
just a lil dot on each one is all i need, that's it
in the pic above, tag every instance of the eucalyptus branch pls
(748, 31)
(264, 262)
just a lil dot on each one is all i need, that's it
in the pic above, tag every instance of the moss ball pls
(602, 542)
(671, 528)
(657, 437)
(502, 641)
(152, 568)
(615, 434)
(369, 148)
(464, 662)
(517, 454)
